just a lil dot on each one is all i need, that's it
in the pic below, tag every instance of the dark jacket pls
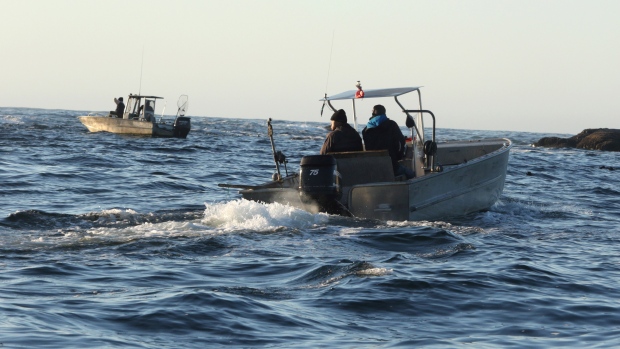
(386, 136)
(120, 108)
(343, 138)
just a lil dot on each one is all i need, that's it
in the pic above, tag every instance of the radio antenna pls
(141, 65)
(329, 66)
(330, 60)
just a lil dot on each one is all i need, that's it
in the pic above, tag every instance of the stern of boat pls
(182, 126)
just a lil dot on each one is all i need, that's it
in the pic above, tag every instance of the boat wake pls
(43, 230)
(248, 215)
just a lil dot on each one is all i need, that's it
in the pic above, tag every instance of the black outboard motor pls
(182, 125)
(319, 182)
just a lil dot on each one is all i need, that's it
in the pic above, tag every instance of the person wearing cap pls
(342, 137)
(382, 133)
(120, 108)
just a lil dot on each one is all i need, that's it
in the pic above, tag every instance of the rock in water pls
(607, 139)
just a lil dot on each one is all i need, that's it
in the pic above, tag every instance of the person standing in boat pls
(382, 133)
(342, 137)
(149, 112)
(120, 108)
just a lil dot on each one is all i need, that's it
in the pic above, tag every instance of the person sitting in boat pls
(342, 137)
(120, 108)
(382, 133)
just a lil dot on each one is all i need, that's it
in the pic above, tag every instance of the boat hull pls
(471, 181)
(133, 126)
(457, 191)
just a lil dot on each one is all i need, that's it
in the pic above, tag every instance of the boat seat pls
(359, 167)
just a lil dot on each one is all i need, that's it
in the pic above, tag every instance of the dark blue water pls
(120, 241)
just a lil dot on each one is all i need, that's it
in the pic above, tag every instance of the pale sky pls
(527, 65)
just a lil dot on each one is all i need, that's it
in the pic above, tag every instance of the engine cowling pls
(319, 182)
(182, 126)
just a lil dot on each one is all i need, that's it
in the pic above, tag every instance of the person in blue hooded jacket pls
(382, 133)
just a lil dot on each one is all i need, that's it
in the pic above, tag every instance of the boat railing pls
(430, 147)
(427, 112)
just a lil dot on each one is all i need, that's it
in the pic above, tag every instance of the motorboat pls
(139, 119)
(452, 178)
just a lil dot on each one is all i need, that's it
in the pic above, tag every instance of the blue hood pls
(376, 121)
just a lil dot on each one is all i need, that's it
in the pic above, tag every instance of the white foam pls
(349, 231)
(115, 221)
(11, 119)
(374, 272)
(219, 218)
(404, 224)
(249, 215)
(116, 214)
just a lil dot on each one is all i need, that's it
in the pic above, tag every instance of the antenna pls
(328, 69)
(330, 60)
(141, 65)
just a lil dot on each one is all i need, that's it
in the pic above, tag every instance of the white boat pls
(452, 179)
(139, 119)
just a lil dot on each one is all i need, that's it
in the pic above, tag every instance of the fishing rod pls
(273, 150)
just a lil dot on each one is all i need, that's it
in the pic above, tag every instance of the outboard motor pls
(319, 182)
(182, 125)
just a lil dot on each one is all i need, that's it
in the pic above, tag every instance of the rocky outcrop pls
(593, 139)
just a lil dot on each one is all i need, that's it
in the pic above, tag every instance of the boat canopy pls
(416, 127)
(141, 107)
(139, 96)
(375, 93)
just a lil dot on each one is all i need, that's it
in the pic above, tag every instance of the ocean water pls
(112, 241)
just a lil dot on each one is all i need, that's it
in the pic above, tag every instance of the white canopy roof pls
(376, 93)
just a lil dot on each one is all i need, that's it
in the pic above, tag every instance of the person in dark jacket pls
(120, 108)
(382, 133)
(343, 137)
